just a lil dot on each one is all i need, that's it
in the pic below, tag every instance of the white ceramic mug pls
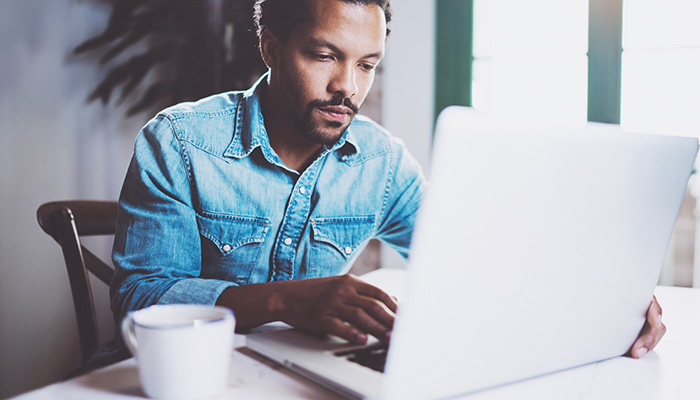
(183, 350)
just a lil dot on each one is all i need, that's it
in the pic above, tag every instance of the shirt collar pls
(249, 130)
(347, 146)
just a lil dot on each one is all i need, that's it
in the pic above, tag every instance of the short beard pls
(316, 134)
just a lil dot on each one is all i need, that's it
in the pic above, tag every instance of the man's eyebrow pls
(316, 42)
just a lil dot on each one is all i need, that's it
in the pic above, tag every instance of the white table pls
(671, 371)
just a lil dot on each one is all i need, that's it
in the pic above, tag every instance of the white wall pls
(408, 84)
(409, 76)
(52, 146)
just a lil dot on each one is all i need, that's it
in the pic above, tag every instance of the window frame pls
(455, 55)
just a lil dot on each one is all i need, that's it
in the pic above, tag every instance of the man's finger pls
(648, 339)
(374, 292)
(376, 310)
(335, 326)
(359, 318)
(642, 345)
(654, 313)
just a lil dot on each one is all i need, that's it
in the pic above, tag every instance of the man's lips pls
(337, 113)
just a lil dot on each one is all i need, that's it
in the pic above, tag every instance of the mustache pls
(336, 101)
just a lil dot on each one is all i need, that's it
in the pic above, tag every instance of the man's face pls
(327, 66)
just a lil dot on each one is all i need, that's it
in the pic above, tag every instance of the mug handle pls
(128, 334)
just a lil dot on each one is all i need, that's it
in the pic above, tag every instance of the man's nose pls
(344, 82)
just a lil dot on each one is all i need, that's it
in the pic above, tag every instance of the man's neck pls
(295, 154)
(295, 151)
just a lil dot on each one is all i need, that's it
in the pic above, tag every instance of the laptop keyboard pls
(373, 356)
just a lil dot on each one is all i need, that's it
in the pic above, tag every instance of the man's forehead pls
(323, 43)
(339, 23)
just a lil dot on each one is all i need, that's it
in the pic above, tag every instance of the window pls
(548, 58)
(661, 66)
(524, 70)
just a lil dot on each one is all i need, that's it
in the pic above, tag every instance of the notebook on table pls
(537, 249)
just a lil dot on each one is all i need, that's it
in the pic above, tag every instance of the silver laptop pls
(537, 249)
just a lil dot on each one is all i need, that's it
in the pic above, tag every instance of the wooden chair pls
(66, 222)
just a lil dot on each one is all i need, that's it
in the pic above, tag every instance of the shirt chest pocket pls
(335, 243)
(231, 245)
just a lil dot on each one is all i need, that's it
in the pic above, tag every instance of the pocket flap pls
(229, 232)
(345, 234)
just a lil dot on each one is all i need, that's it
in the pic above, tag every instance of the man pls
(234, 199)
(259, 201)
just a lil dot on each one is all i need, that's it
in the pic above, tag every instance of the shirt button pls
(302, 190)
(287, 241)
(348, 250)
(226, 248)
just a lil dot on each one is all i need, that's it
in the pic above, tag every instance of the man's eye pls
(368, 67)
(323, 57)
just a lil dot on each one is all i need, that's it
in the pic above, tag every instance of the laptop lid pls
(537, 249)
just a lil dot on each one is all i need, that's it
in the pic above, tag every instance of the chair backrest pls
(66, 222)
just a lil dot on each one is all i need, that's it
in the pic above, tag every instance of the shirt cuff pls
(195, 291)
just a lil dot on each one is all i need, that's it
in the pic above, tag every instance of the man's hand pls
(344, 306)
(651, 333)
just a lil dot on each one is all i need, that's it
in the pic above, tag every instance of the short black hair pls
(281, 16)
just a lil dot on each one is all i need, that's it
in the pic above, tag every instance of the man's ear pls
(269, 48)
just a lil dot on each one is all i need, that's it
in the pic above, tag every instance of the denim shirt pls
(207, 204)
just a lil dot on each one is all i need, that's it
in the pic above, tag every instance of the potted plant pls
(188, 49)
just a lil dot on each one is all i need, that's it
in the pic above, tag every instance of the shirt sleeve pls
(157, 247)
(404, 193)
